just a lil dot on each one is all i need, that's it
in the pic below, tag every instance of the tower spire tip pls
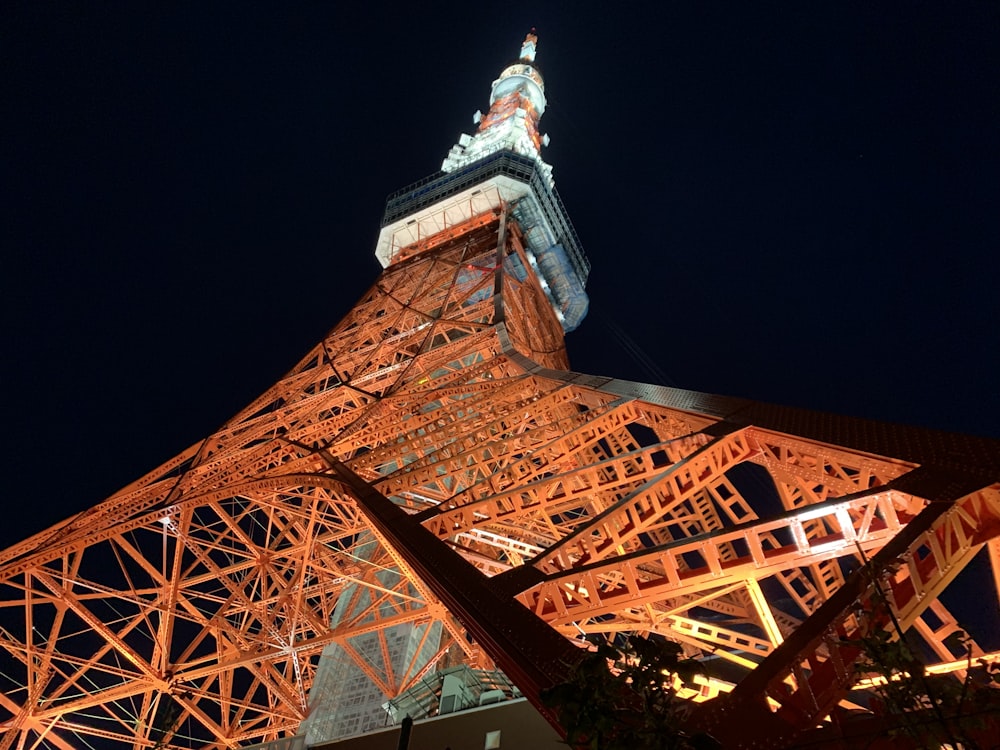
(528, 47)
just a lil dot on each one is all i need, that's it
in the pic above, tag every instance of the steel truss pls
(433, 459)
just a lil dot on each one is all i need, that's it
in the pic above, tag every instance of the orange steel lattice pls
(522, 506)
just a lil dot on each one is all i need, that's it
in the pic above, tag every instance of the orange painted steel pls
(440, 418)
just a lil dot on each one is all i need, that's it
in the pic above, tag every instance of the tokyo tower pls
(432, 491)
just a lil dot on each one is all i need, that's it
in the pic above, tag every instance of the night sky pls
(792, 204)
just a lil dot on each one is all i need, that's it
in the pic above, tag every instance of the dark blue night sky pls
(795, 204)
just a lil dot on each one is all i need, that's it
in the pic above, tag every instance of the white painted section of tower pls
(447, 213)
(528, 47)
(490, 194)
(511, 135)
(523, 77)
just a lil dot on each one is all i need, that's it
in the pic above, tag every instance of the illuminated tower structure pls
(432, 486)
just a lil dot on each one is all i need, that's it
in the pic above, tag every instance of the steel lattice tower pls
(431, 482)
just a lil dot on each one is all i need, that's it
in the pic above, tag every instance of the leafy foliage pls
(626, 699)
(933, 711)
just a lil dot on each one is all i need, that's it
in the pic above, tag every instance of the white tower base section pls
(505, 178)
(344, 701)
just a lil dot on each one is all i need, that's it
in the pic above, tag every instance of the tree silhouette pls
(625, 698)
(929, 711)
